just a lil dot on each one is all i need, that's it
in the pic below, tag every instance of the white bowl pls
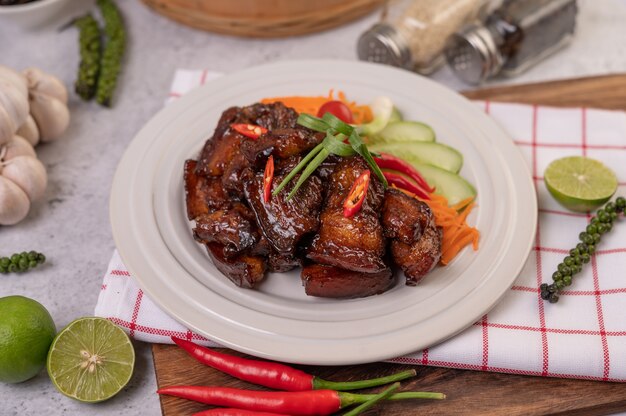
(40, 13)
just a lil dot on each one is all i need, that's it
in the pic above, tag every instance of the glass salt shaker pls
(516, 36)
(412, 34)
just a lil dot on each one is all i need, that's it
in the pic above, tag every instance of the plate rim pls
(120, 180)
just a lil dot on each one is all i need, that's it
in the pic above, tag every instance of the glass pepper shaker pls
(516, 36)
(412, 34)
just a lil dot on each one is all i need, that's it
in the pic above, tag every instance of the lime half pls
(579, 183)
(91, 360)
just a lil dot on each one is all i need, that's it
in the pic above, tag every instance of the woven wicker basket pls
(263, 18)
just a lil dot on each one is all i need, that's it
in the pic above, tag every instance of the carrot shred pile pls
(311, 105)
(452, 219)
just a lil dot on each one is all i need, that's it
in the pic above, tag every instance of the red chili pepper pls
(403, 183)
(277, 376)
(249, 130)
(268, 176)
(387, 161)
(357, 194)
(234, 412)
(315, 402)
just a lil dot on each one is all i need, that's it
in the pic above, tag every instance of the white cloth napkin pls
(582, 336)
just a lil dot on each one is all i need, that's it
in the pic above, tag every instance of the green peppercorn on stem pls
(572, 264)
(21, 262)
(111, 62)
(90, 50)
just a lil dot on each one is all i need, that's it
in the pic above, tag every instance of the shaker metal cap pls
(472, 54)
(383, 44)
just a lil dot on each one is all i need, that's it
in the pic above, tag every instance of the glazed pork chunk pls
(353, 243)
(333, 282)
(415, 240)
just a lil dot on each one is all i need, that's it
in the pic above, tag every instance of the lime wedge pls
(91, 360)
(579, 183)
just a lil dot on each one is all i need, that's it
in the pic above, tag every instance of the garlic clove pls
(45, 83)
(15, 103)
(51, 115)
(18, 146)
(6, 126)
(14, 203)
(28, 173)
(15, 77)
(29, 131)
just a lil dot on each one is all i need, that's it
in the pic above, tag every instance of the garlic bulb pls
(18, 146)
(15, 105)
(45, 83)
(51, 115)
(28, 173)
(15, 77)
(14, 203)
(29, 131)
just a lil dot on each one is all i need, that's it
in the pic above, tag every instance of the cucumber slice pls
(452, 186)
(435, 154)
(405, 131)
(396, 115)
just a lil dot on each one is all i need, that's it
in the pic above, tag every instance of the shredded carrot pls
(311, 105)
(452, 220)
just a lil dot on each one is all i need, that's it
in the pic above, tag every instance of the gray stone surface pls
(71, 225)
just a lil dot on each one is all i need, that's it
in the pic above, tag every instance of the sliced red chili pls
(403, 183)
(268, 176)
(387, 161)
(249, 130)
(234, 412)
(357, 194)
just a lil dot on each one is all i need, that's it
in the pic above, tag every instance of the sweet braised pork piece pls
(284, 223)
(224, 145)
(333, 282)
(281, 143)
(202, 194)
(280, 263)
(357, 242)
(235, 228)
(404, 218)
(416, 240)
(243, 270)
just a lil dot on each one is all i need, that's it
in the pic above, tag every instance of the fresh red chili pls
(357, 194)
(277, 376)
(249, 130)
(305, 403)
(403, 183)
(234, 412)
(268, 176)
(387, 161)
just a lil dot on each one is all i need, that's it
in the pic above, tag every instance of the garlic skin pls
(18, 146)
(44, 83)
(6, 126)
(15, 105)
(28, 173)
(14, 203)
(29, 131)
(15, 77)
(50, 114)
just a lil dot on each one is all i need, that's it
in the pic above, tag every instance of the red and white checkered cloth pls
(582, 336)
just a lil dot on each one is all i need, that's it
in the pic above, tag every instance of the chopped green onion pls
(313, 123)
(321, 156)
(361, 148)
(338, 125)
(336, 146)
(298, 168)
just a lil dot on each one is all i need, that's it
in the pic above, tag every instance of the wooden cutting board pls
(469, 392)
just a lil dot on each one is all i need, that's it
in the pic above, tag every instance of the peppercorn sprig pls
(572, 264)
(90, 50)
(113, 53)
(21, 262)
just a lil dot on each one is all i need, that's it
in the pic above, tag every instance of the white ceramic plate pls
(278, 321)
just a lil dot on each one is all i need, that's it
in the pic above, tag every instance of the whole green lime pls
(26, 332)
